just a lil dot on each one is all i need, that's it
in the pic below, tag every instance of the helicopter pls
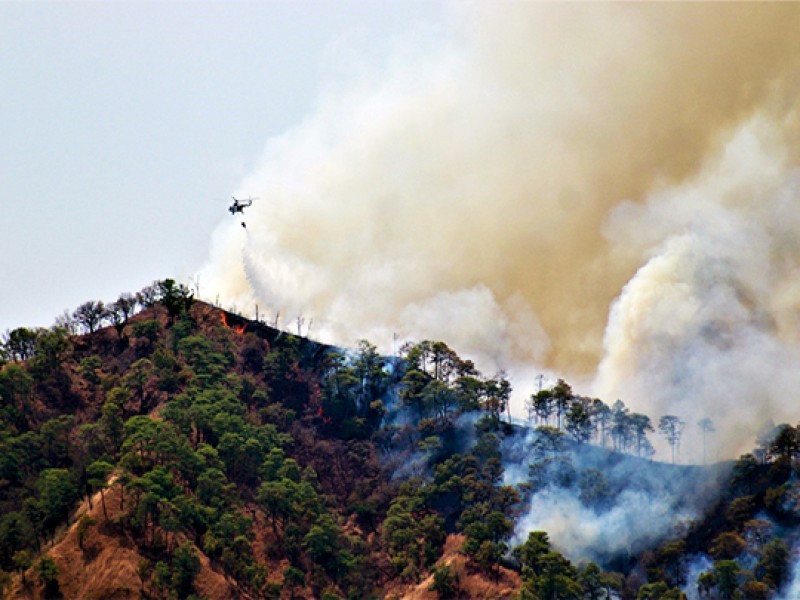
(240, 205)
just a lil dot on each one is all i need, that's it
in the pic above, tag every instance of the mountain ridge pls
(257, 463)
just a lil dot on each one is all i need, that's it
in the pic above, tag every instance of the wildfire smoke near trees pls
(599, 192)
(238, 459)
(550, 258)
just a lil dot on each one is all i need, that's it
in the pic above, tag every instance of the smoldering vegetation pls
(601, 505)
(727, 530)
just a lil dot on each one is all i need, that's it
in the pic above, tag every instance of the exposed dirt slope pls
(471, 585)
(107, 567)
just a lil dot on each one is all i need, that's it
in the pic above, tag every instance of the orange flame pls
(236, 328)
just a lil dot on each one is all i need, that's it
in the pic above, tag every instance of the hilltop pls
(163, 447)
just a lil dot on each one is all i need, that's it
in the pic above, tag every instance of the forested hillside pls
(160, 447)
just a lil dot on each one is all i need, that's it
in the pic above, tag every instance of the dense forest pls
(160, 447)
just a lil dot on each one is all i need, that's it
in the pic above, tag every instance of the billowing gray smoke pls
(603, 191)
(600, 505)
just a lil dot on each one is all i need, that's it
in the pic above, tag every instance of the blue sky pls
(125, 127)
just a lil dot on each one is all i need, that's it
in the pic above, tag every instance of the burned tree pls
(671, 427)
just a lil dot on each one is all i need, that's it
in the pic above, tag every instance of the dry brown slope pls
(471, 584)
(107, 566)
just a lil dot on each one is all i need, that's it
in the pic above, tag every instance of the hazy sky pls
(125, 127)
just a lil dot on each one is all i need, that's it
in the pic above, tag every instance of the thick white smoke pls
(637, 520)
(792, 591)
(606, 191)
(599, 506)
(708, 325)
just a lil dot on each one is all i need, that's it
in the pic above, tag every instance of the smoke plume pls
(604, 191)
(600, 505)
